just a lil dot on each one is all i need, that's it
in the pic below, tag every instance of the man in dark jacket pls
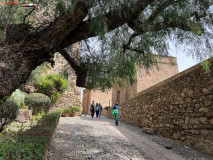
(92, 109)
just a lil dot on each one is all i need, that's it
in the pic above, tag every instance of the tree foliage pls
(8, 113)
(127, 33)
(37, 101)
(52, 85)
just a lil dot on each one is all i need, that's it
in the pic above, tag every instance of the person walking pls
(97, 110)
(92, 109)
(100, 109)
(116, 113)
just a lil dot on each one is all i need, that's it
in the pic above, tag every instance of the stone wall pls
(167, 67)
(128, 91)
(179, 108)
(72, 97)
(98, 96)
(125, 93)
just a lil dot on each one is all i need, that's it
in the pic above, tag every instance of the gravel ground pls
(176, 147)
(86, 138)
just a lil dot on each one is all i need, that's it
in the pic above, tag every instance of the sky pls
(184, 61)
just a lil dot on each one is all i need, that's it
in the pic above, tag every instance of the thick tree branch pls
(16, 65)
(56, 32)
(71, 61)
(126, 46)
(80, 70)
(115, 19)
(136, 50)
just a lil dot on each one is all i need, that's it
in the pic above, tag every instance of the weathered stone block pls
(205, 90)
(148, 130)
(203, 120)
(207, 102)
(187, 120)
(23, 115)
(199, 114)
(203, 110)
(197, 105)
(211, 121)
(176, 135)
(194, 121)
(188, 99)
(181, 121)
(204, 132)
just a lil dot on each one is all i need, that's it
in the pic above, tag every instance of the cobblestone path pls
(86, 138)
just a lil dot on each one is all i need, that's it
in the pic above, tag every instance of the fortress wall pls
(179, 108)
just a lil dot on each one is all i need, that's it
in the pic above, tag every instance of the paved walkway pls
(87, 138)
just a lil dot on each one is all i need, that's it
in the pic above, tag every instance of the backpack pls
(115, 112)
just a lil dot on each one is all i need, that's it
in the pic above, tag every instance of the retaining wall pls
(179, 108)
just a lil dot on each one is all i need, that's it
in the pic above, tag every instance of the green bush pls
(18, 97)
(37, 101)
(107, 108)
(29, 148)
(8, 113)
(76, 109)
(67, 110)
(33, 142)
(52, 85)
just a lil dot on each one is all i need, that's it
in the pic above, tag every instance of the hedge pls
(37, 101)
(8, 113)
(33, 143)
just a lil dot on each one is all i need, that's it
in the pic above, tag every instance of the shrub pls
(76, 109)
(37, 101)
(18, 97)
(23, 107)
(8, 113)
(67, 110)
(52, 85)
(107, 108)
(23, 148)
(32, 143)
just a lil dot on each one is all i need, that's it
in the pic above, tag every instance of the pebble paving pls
(79, 138)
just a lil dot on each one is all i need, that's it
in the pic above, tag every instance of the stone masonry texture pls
(179, 108)
(128, 91)
(167, 67)
(99, 97)
(72, 97)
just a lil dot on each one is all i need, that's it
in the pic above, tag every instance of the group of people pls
(96, 109)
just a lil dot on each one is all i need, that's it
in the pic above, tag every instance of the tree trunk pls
(16, 63)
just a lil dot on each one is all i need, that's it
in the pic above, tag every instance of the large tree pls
(127, 32)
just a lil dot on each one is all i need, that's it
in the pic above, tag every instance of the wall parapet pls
(172, 78)
(179, 108)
